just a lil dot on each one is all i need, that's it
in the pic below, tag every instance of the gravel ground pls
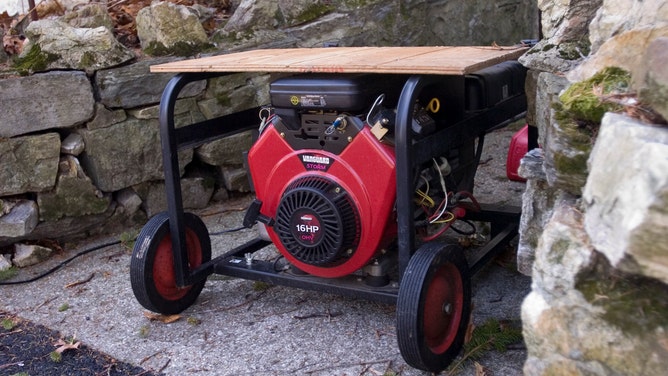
(238, 327)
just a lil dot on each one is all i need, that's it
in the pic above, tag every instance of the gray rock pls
(653, 76)
(196, 193)
(90, 16)
(72, 144)
(74, 194)
(629, 224)
(234, 93)
(125, 154)
(5, 263)
(252, 15)
(134, 86)
(105, 117)
(20, 221)
(29, 105)
(554, 58)
(625, 50)
(234, 178)
(29, 163)
(549, 86)
(27, 255)
(168, 29)
(54, 44)
(566, 152)
(537, 202)
(617, 16)
(226, 151)
(182, 106)
(129, 200)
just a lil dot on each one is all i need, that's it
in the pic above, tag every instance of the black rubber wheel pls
(433, 306)
(152, 267)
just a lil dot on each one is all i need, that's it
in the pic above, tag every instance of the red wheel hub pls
(443, 307)
(164, 276)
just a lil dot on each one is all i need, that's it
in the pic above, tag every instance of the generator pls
(357, 178)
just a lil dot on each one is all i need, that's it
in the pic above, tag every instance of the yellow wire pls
(434, 105)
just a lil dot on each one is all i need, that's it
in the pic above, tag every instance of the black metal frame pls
(409, 154)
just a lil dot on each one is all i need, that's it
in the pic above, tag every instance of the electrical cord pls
(87, 251)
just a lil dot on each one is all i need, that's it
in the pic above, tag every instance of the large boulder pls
(617, 16)
(29, 105)
(125, 154)
(90, 16)
(74, 194)
(652, 78)
(29, 163)
(565, 26)
(169, 29)
(629, 224)
(54, 44)
(135, 86)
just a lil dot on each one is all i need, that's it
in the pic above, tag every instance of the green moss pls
(34, 61)
(312, 12)
(635, 305)
(8, 273)
(573, 165)
(179, 49)
(87, 59)
(574, 50)
(583, 101)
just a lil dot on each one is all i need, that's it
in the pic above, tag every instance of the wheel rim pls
(443, 308)
(164, 276)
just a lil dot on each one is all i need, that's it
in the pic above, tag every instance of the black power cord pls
(87, 251)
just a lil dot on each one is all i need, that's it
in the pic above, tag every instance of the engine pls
(324, 180)
(324, 172)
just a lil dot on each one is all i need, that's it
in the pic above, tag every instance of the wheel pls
(433, 306)
(152, 267)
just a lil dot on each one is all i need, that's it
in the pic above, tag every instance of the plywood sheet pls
(399, 60)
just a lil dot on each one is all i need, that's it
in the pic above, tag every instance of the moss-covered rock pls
(585, 100)
(34, 60)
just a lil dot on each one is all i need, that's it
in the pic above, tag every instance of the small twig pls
(77, 283)
(9, 333)
(149, 357)
(10, 365)
(329, 315)
(164, 366)
(44, 303)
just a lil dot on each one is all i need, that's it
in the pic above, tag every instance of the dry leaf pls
(480, 370)
(165, 319)
(62, 345)
(469, 332)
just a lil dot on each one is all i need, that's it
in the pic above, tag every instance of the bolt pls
(337, 190)
(282, 134)
(447, 308)
(350, 138)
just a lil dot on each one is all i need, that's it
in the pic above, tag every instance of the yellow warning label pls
(294, 100)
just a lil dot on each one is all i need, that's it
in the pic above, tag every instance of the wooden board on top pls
(396, 60)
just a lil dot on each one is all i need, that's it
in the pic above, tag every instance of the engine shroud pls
(332, 212)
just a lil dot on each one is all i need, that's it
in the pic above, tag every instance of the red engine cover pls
(365, 170)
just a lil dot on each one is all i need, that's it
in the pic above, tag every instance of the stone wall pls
(594, 225)
(79, 140)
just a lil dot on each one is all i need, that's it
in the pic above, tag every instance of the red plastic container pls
(519, 146)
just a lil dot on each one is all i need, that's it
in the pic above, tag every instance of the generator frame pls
(410, 152)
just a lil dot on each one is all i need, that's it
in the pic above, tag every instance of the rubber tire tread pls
(141, 267)
(410, 336)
